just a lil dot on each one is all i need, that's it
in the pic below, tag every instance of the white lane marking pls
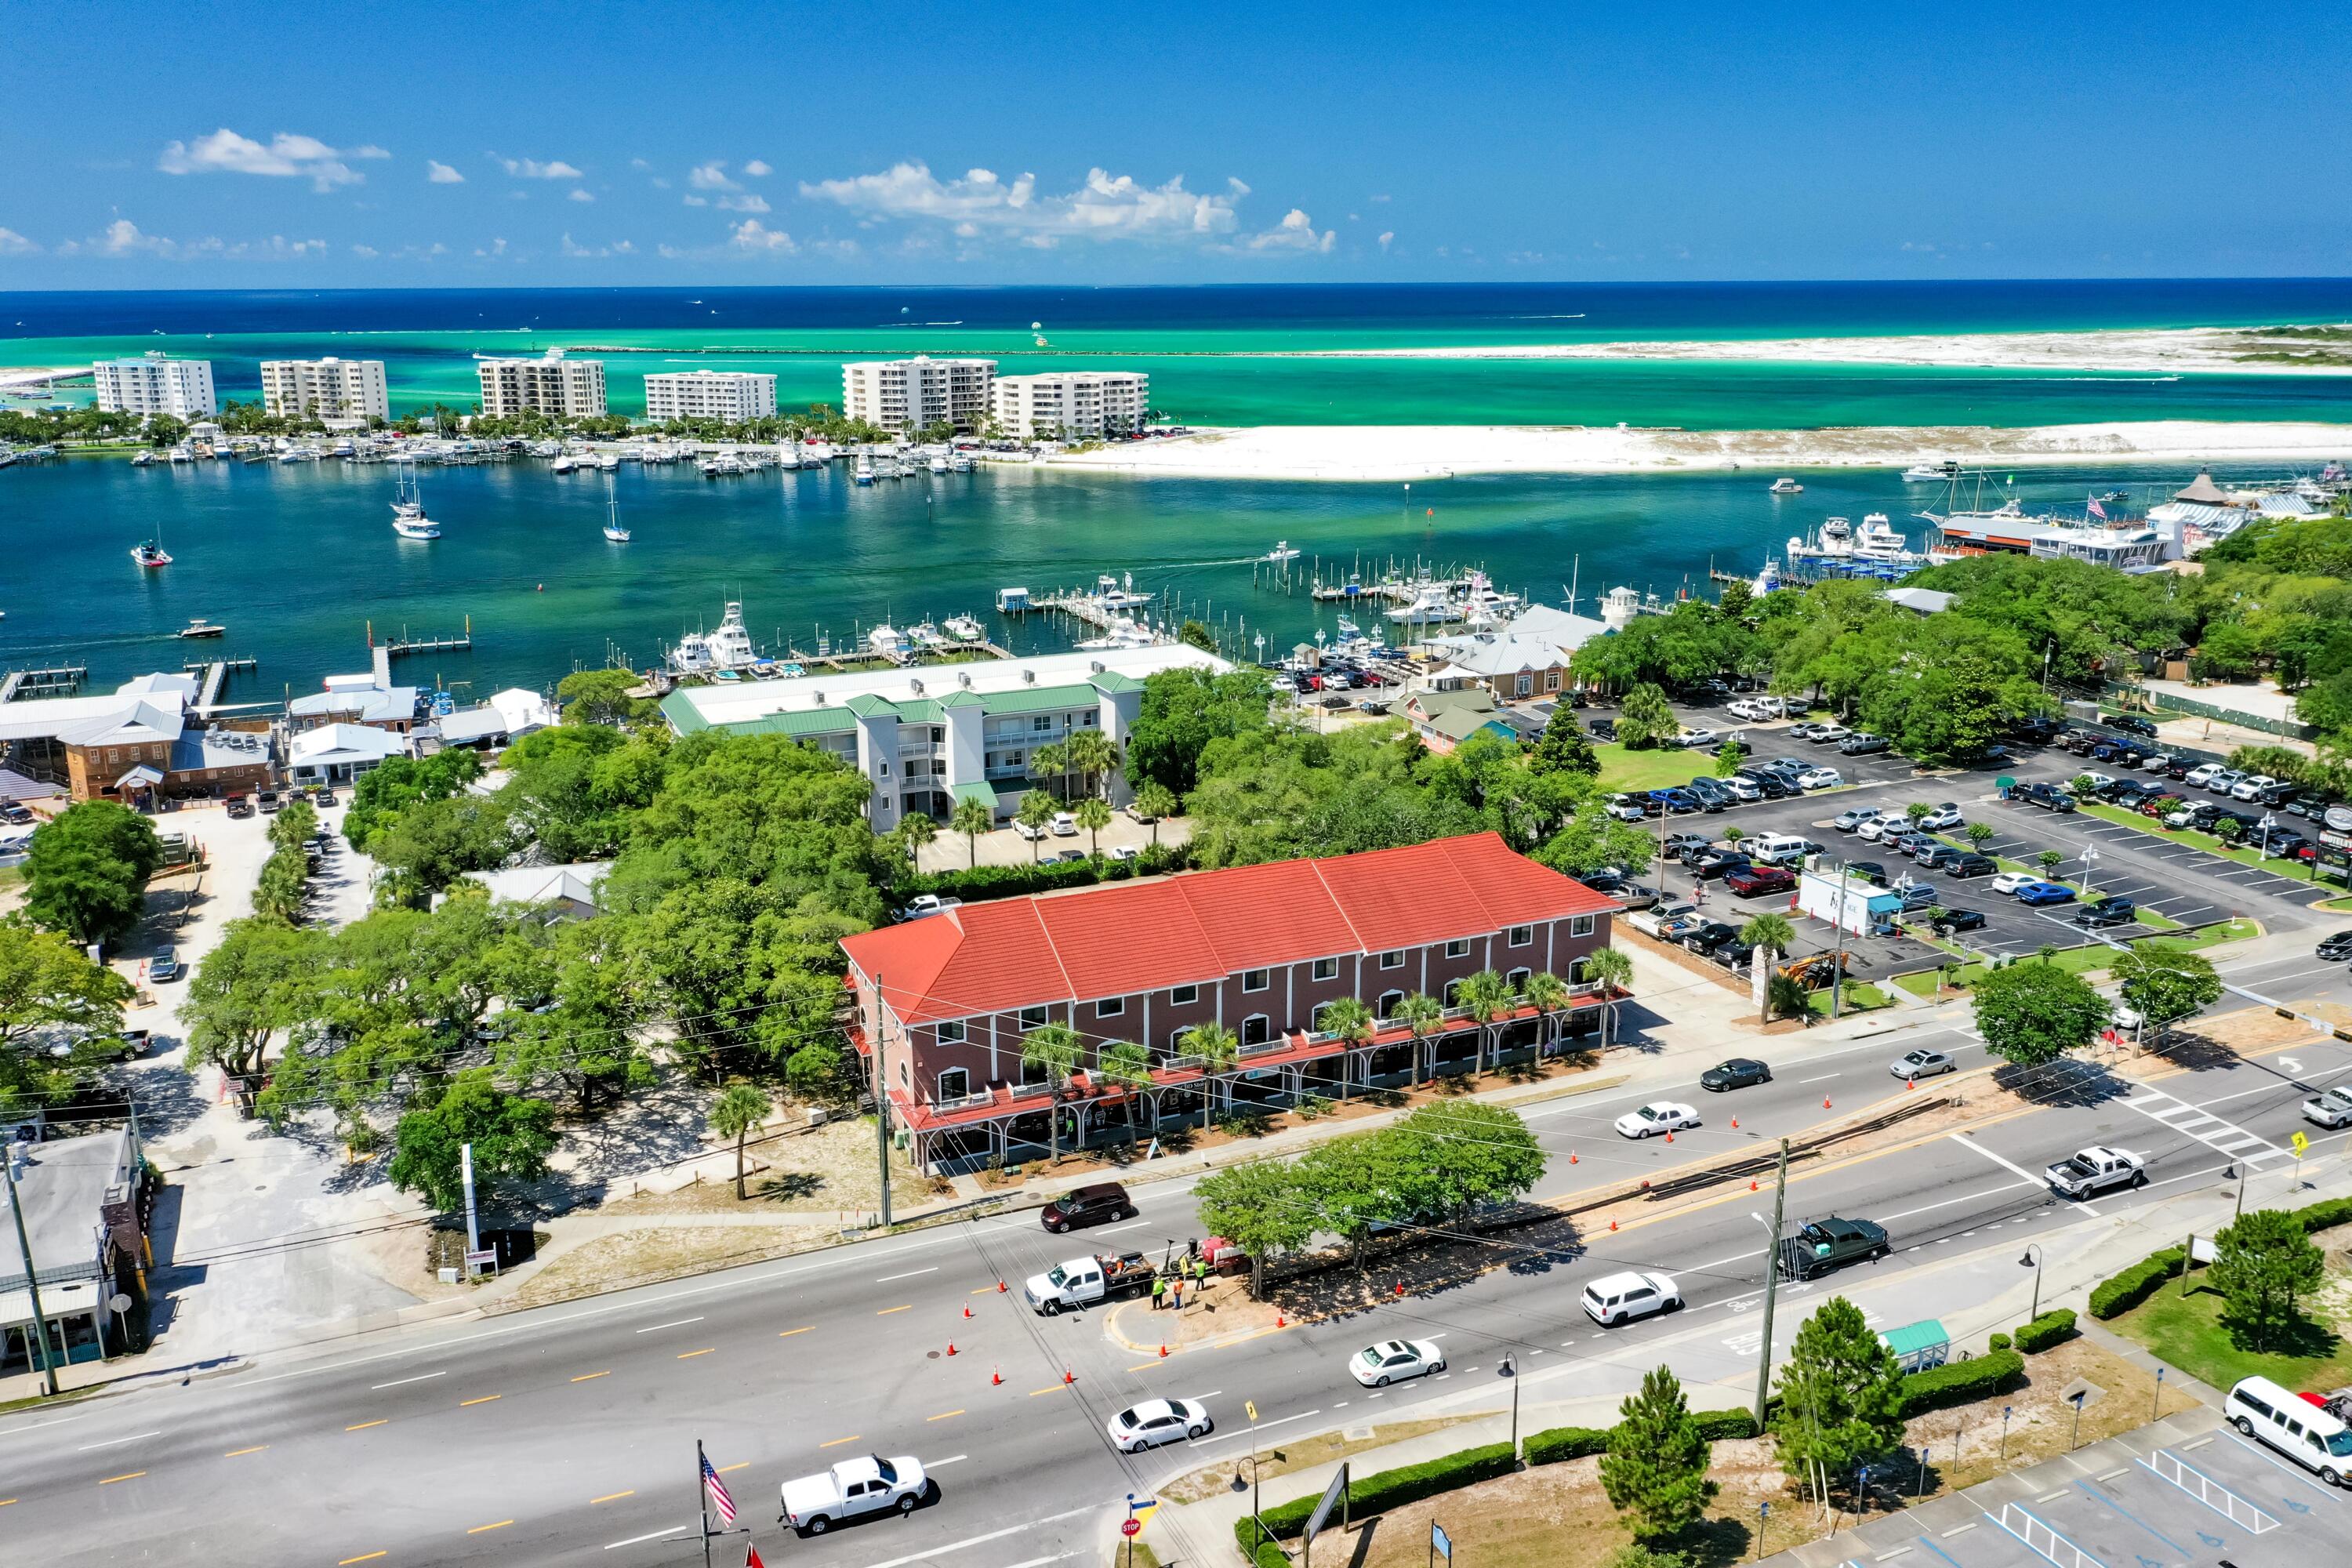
(112, 1442)
(980, 1539)
(395, 1383)
(950, 1459)
(2012, 1165)
(1041, 1561)
(1213, 1393)
(1115, 1229)
(1243, 1433)
(910, 1273)
(1823, 1078)
(656, 1535)
(678, 1324)
(2161, 1108)
(1964, 1198)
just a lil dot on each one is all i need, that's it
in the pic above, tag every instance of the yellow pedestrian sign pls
(1250, 1405)
(2299, 1143)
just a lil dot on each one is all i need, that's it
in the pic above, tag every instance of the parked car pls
(2130, 723)
(1619, 1298)
(1096, 1204)
(2038, 893)
(1759, 710)
(1658, 1116)
(1654, 920)
(1772, 785)
(1082, 1281)
(162, 968)
(1861, 743)
(1624, 809)
(1064, 825)
(2251, 786)
(1394, 1361)
(1717, 863)
(1709, 935)
(1742, 788)
(1923, 1061)
(1944, 818)
(1029, 830)
(1856, 818)
(2203, 773)
(1920, 896)
(1601, 728)
(1820, 778)
(1751, 880)
(926, 904)
(1158, 1421)
(1737, 1072)
(1953, 919)
(1679, 802)
(2159, 805)
(14, 814)
(1939, 857)
(872, 1484)
(1878, 827)
(1867, 871)
(1688, 738)
(1972, 866)
(2048, 796)
(2110, 911)
(2009, 881)
(1682, 846)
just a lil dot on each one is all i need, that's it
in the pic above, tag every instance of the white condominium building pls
(328, 388)
(734, 395)
(1076, 405)
(570, 388)
(182, 388)
(909, 395)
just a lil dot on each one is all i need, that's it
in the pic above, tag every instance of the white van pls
(2304, 1432)
(1778, 848)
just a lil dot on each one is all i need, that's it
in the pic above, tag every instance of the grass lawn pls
(1860, 996)
(1657, 768)
(2187, 1331)
(2206, 841)
(2093, 955)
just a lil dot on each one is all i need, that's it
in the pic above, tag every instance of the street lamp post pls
(1510, 1369)
(2034, 1255)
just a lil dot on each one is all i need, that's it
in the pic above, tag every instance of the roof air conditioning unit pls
(1028, 677)
(1094, 665)
(916, 686)
(963, 679)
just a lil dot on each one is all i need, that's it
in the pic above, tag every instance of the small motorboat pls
(1931, 473)
(1283, 551)
(1786, 488)
(149, 553)
(198, 626)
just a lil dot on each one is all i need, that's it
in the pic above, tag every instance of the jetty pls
(61, 680)
(382, 653)
(214, 673)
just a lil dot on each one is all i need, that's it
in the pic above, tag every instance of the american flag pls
(720, 1499)
(2097, 511)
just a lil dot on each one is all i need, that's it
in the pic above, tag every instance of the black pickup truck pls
(1823, 1244)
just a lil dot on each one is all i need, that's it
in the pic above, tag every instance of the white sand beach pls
(1405, 452)
(2240, 351)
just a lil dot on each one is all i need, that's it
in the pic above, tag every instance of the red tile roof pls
(1202, 927)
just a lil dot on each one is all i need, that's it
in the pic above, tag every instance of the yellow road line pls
(480, 1528)
(887, 1311)
(132, 1476)
(943, 1415)
(612, 1497)
(483, 1400)
(838, 1442)
(240, 1453)
(362, 1557)
(364, 1425)
(741, 1465)
(788, 1333)
(690, 1355)
(1155, 1361)
(7, 1501)
(986, 1290)
(589, 1376)
(1049, 1388)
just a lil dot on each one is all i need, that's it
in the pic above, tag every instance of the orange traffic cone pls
(1069, 1376)
(996, 1377)
(967, 1312)
(1735, 1123)
(1280, 1322)
(952, 1350)
(1571, 1156)
(1163, 1353)
(1752, 1185)
(1670, 1137)
(1400, 1289)
(1613, 1225)
(1825, 1105)
(1000, 1287)
(1910, 1083)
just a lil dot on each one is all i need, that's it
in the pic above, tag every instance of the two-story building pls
(1260, 951)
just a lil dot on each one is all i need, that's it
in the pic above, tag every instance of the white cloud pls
(618, 247)
(287, 156)
(441, 173)
(757, 169)
(122, 238)
(754, 236)
(497, 247)
(639, 164)
(743, 203)
(532, 169)
(711, 176)
(1103, 207)
(698, 200)
(581, 195)
(1386, 236)
(365, 252)
(1295, 232)
(14, 243)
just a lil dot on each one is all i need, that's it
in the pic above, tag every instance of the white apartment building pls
(327, 388)
(568, 388)
(182, 388)
(734, 395)
(908, 395)
(1076, 405)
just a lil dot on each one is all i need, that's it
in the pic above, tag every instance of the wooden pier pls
(383, 653)
(214, 673)
(61, 680)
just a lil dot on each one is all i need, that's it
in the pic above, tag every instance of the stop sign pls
(1131, 1527)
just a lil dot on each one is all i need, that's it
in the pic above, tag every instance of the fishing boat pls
(1786, 488)
(1283, 551)
(408, 519)
(726, 647)
(864, 470)
(1931, 473)
(149, 553)
(143, 459)
(565, 463)
(1874, 549)
(963, 628)
(607, 461)
(938, 463)
(200, 627)
(959, 462)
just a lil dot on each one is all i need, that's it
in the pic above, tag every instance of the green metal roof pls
(1112, 680)
(961, 699)
(1034, 698)
(973, 789)
(918, 710)
(683, 715)
(813, 721)
(865, 705)
(1924, 1334)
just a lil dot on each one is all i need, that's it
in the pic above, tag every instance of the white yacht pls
(728, 647)
(565, 462)
(1283, 551)
(864, 470)
(959, 461)
(1432, 606)
(1931, 473)
(938, 463)
(1786, 488)
(1113, 593)
(607, 461)
(963, 628)
(408, 519)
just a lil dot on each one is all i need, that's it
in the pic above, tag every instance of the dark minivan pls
(1087, 1206)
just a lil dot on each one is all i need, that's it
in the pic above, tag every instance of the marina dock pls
(383, 653)
(214, 673)
(63, 680)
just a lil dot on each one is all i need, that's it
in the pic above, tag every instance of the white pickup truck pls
(868, 1484)
(927, 904)
(1082, 1281)
(2095, 1170)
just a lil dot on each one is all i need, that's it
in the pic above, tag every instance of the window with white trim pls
(1182, 995)
(1453, 993)
(1256, 1030)
(1390, 1002)
(1255, 980)
(1392, 960)
(1458, 947)
(1517, 980)
(951, 1032)
(1579, 925)
(1111, 1006)
(1030, 1017)
(954, 1084)
(1178, 1045)
(1519, 936)
(1326, 969)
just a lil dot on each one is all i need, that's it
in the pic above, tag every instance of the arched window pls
(1256, 1030)
(1390, 1002)
(1518, 981)
(1453, 990)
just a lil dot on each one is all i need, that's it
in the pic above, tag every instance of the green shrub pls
(1958, 1382)
(978, 882)
(1560, 1444)
(2001, 1342)
(2119, 1294)
(1407, 1483)
(2327, 1214)
(2052, 1328)
(1270, 1555)
(1719, 1426)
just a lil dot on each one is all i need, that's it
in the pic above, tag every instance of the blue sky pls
(166, 145)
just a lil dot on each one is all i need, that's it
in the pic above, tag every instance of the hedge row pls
(1958, 1382)
(2121, 1293)
(1012, 881)
(2325, 1215)
(2001, 1342)
(2052, 1328)
(1389, 1488)
(1269, 1555)
(1560, 1444)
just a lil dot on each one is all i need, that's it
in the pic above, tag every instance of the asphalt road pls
(566, 1435)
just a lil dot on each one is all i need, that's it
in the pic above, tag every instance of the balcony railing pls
(1263, 1046)
(963, 1102)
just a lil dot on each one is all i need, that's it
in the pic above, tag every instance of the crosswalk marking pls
(2227, 1137)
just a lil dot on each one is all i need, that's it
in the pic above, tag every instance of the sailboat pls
(149, 553)
(408, 519)
(613, 529)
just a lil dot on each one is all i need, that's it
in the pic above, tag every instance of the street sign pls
(117, 1302)
(1330, 1500)
(1439, 1541)
(1249, 1405)
(2299, 1142)
(1130, 1527)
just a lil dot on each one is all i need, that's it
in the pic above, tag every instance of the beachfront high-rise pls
(568, 388)
(326, 388)
(734, 395)
(151, 383)
(1076, 405)
(909, 395)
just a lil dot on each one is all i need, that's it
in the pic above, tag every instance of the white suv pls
(1620, 1298)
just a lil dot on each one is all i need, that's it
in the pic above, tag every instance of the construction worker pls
(1176, 1294)
(1158, 1293)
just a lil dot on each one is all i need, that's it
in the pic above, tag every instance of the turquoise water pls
(298, 561)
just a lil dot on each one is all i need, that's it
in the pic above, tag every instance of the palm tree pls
(1786, 995)
(1156, 800)
(973, 816)
(1053, 757)
(918, 830)
(1128, 1065)
(733, 1115)
(1484, 999)
(1612, 971)
(1094, 815)
(1053, 1048)
(1092, 756)
(1771, 931)
(1218, 1048)
(1979, 834)
(1350, 1023)
(1421, 1016)
(1548, 994)
(1036, 813)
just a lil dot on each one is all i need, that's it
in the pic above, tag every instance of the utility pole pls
(32, 1281)
(881, 1096)
(472, 1228)
(1771, 1286)
(1837, 955)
